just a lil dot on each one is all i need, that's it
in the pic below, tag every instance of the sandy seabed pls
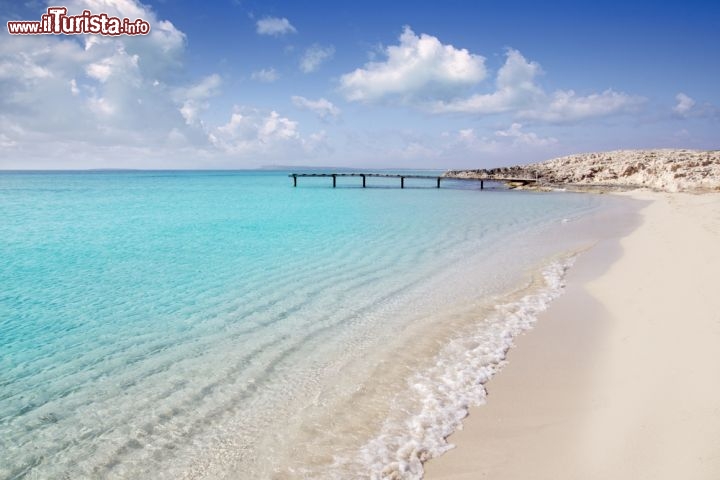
(619, 379)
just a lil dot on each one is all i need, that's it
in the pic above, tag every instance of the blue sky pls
(245, 84)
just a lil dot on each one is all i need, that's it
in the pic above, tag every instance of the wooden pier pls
(402, 177)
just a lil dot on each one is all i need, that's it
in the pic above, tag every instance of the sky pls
(235, 84)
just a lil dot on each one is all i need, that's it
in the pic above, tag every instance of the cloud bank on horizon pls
(293, 96)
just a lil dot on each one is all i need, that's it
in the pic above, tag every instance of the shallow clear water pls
(190, 324)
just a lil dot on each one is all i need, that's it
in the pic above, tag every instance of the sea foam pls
(226, 325)
(455, 383)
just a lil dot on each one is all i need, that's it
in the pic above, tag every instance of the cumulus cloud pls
(684, 104)
(515, 89)
(518, 93)
(519, 137)
(274, 26)
(264, 75)
(253, 126)
(322, 108)
(194, 98)
(315, 56)
(21, 66)
(91, 101)
(512, 139)
(688, 107)
(417, 67)
(112, 88)
(566, 106)
(252, 131)
(424, 73)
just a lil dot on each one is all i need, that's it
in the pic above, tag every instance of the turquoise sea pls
(227, 325)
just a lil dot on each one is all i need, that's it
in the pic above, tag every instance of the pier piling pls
(402, 177)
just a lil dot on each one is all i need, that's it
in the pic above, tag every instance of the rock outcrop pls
(666, 169)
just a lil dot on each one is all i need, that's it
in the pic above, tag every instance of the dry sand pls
(620, 379)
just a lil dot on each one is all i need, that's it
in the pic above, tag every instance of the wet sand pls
(619, 377)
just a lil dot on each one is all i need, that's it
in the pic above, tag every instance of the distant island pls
(669, 170)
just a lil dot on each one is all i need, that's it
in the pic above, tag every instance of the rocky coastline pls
(669, 170)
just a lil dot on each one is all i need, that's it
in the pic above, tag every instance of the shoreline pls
(438, 376)
(345, 333)
(611, 383)
(478, 349)
(660, 169)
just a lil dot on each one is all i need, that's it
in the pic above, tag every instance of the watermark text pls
(57, 22)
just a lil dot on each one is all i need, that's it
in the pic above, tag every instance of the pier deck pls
(402, 177)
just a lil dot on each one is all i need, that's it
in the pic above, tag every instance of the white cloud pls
(504, 142)
(321, 107)
(121, 8)
(687, 107)
(515, 88)
(6, 142)
(23, 66)
(518, 94)
(110, 80)
(519, 137)
(161, 50)
(565, 106)
(101, 106)
(194, 98)
(205, 88)
(278, 127)
(121, 64)
(269, 135)
(99, 71)
(317, 142)
(468, 146)
(268, 75)
(467, 141)
(315, 56)
(418, 66)
(274, 26)
(127, 106)
(251, 131)
(107, 87)
(108, 96)
(510, 146)
(424, 73)
(684, 104)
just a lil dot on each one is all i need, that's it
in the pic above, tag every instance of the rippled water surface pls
(191, 324)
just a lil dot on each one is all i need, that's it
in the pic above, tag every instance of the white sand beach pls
(619, 378)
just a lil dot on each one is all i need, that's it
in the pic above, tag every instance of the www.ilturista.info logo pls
(57, 21)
